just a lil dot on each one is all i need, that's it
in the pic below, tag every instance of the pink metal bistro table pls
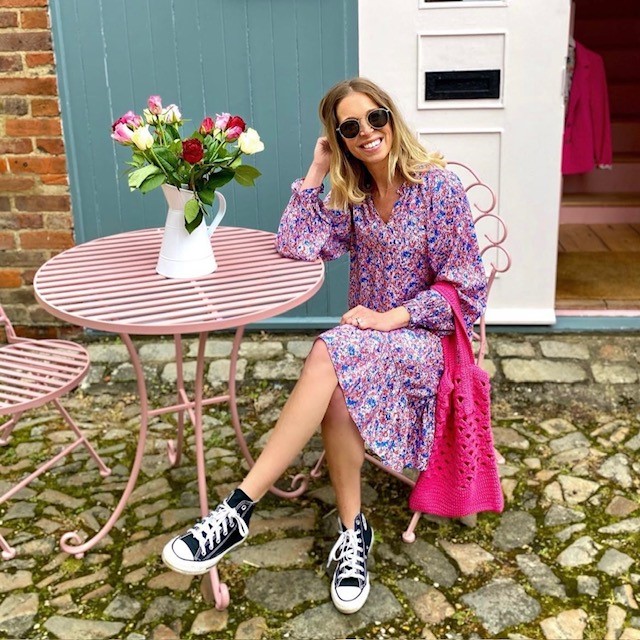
(110, 284)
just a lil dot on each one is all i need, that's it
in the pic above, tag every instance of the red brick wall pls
(35, 209)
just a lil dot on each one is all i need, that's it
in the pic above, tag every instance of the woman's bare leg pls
(300, 417)
(344, 449)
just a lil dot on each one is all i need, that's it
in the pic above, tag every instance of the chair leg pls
(470, 521)
(7, 428)
(104, 470)
(8, 552)
(409, 535)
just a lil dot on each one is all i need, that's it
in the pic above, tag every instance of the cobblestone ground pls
(560, 563)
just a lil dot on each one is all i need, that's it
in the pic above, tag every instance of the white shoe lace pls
(348, 552)
(215, 525)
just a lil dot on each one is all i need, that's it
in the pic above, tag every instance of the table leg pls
(220, 589)
(300, 482)
(71, 542)
(174, 447)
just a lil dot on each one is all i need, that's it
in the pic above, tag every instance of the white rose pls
(142, 138)
(249, 142)
(171, 115)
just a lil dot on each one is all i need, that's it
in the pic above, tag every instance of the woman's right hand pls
(320, 165)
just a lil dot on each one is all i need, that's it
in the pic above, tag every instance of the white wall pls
(514, 142)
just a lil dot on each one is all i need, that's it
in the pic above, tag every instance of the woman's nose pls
(365, 127)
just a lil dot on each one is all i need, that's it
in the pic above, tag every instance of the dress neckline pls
(400, 192)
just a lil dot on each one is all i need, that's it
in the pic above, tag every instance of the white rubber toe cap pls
(181, 549)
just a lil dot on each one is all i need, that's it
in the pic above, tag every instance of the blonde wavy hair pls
(350, 180)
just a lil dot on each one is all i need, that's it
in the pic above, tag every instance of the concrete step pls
(625, 135)
(623, 177)
(624, 99)
(598, 208)
(621, 64)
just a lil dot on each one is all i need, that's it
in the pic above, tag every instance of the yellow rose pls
(142, 138)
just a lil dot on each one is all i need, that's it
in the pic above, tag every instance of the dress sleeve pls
(453, 256)
(309, 229)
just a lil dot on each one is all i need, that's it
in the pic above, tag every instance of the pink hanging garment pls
(587, 129)
(462, 475)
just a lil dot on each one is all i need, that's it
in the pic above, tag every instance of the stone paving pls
(561, 562)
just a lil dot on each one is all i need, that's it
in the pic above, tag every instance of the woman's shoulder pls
(434, 178)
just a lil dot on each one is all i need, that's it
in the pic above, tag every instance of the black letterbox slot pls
(462, 85)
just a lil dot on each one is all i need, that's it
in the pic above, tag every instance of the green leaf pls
(195, 223)
(169, 158)
(207, 195)
(151, 183)
(137, 177)
(246, 175)
(191, 210)
(138, 159)
(220, 178)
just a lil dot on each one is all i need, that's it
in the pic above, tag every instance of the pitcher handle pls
(222, 209)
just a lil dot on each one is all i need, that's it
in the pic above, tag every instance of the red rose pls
(207, 126)
(236, 121)
(192, 150)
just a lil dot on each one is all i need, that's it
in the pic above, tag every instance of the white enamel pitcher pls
(184, 254)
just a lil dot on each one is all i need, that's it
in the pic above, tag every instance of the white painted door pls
(512, 139)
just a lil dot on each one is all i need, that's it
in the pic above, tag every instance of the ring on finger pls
(357, 321)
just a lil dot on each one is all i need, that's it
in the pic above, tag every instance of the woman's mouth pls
(374, 144)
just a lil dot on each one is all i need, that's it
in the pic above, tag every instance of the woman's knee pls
(337, 412)
(319, 361)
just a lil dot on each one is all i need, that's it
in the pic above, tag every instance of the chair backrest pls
(6, 323)
(492, 232)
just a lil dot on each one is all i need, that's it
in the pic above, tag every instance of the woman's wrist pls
(315, 175)
(399, 317)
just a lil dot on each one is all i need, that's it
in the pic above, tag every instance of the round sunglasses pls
(376, 118)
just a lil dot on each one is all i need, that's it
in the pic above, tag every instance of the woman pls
(371, 381)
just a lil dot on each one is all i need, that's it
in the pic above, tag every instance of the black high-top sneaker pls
(204, 545)
(350, 583)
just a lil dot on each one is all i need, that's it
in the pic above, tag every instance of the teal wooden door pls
(269, 61)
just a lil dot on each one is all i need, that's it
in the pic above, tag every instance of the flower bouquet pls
(203, 162)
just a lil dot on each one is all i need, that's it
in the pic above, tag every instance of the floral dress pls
(389, 378)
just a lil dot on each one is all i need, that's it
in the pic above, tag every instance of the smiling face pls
(371, 146)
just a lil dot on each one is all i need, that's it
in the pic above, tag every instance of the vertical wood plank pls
(267, 60)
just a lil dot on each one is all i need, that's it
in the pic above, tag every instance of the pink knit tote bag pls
(462, 475)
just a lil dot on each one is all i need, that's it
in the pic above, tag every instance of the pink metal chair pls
(34, 373)
(492, 232)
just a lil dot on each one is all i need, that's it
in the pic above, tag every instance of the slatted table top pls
(111, 284)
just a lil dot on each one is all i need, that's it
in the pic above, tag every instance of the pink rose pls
(235, 127)
(130, 119)
(155, 105)
(207, 125)
(222, 120)
(233, 133)
(122, 133)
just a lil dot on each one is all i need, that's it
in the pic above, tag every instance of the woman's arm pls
(453, 255)
(309, 229)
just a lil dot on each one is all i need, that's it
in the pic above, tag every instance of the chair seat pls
(34, 372)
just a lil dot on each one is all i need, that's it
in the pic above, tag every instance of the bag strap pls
(463, 351)
(457, 351)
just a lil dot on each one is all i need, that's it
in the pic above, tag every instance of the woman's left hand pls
(364, 318)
